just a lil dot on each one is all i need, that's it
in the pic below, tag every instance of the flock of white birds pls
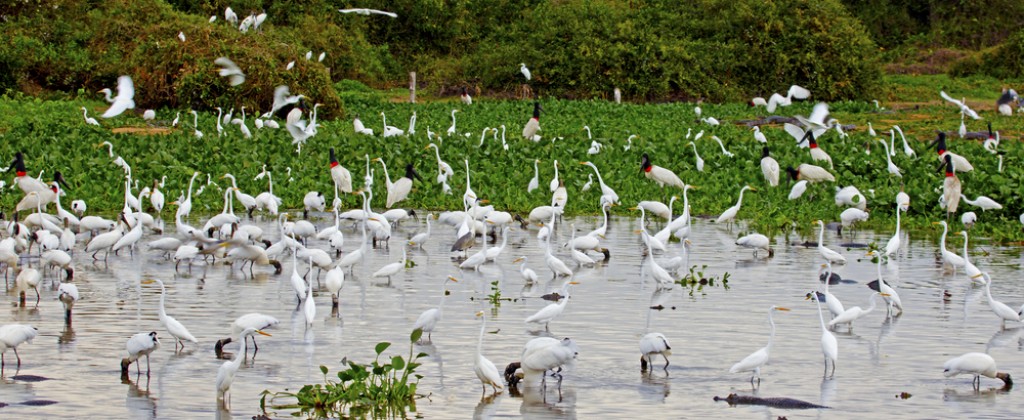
(229, 238)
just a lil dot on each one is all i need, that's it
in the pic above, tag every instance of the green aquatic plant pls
(383, 388)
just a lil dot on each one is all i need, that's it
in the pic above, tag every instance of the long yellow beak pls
(782, 309)
(263, 333)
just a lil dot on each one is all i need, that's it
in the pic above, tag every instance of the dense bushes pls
(654, 50)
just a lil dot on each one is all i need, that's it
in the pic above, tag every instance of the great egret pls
(892, 299)
(484, 368)
(776, 100)
(525, 272)
(1004, 312)
(141, 344)
(835, 307)
(368, 12)
(532, 126)
(124, 99)
(977, 364)
(854, 313)
(555, 181)
(653, 344)
(535, 181)
(829, 344)
(392, 268)
(660, 175)
(195, 124)
(12, 336)
(230, 70)
(309, 304)
(947, 256)
(893, 169)
(226, 372)
(525, 71)
(560, 196)
(174, 327)
(758, 242)
(983, 203)
(429, 318)
(389, 130)
(729, 214)
(966, 110)
(902, 200)
(89, 120)
(700, 161)
(548, 313)
(420, 238)
(444, 170)
(755, 360)
(970, 269)
(829, 255)
(607, 193)
(892, 247)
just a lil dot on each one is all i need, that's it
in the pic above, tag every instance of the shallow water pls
(609, 311)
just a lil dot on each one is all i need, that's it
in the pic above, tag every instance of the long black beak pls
(59, 177)
(807, 135)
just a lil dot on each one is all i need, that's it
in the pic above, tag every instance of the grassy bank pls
(54, 137)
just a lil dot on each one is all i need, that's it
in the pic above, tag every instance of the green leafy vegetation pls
(712, 49)
(381, 389)
(695, 280)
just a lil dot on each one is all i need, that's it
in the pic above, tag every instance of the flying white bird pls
(963, 106)
(230, 70)
(368, 12)
(124, 99)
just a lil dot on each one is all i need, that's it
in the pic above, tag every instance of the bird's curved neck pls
(771, 334)
(821, 235)
(740, 201)
(480, 340)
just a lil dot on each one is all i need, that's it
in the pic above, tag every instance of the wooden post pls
(412, 87)
(618, 96)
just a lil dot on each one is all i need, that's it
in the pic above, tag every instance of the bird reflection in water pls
(138, 401)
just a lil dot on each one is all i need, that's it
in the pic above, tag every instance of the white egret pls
(970, 269)
(528, 275)
(700, 162)
(961, 104)
(983, 203)
(230, 70)
(444, 170)
(755, 360)
(947, 256)
(902, 200)
(484, 368)
(892, 247)
(420, 238)
(89, 120)
(368, 12)
(829, 344)
(829, 255)
(427, 320)
(1004, 312)
(525, 71)
(854, 313)
(226, 372)
(174, 327)
(555, 181)
(548, 313)
(776, 100)
(893, 169)
(729, 214)
(392, 268)
(124, 99)
(892, 299)
(451, 129)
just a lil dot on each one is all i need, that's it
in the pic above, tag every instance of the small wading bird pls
(653, 344)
